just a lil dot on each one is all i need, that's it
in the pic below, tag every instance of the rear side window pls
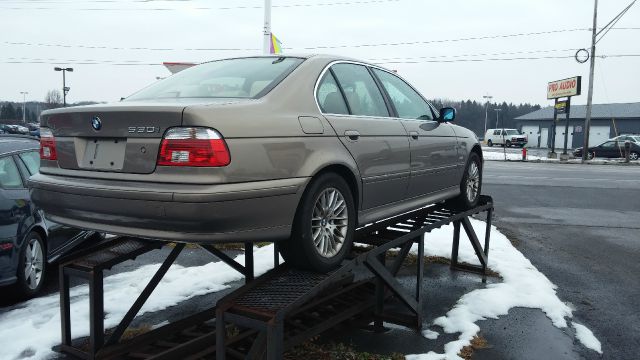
(329, 97)
(362, 93)
(232, 78)
(31, 160)
(408, 103)
(9, 175)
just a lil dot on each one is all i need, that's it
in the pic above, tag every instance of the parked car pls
(627, 137)
(505, 137)
(28, 240)
(269, 148)
(610, 149)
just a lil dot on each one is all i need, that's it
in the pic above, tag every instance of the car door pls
(57, 234)
(15, 206)
(433, 145)
(607, 149)
(352, 102)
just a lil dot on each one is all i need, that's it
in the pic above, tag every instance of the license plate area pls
(104, 154)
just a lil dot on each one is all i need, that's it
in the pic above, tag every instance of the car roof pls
(12, 143)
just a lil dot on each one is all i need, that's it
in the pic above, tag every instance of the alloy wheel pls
(473, 181)
(329, 222)
(34, 264)
(633, 156)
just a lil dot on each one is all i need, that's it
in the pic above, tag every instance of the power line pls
(424, 42)
(142, 63)
(241, 7)
(474, 55)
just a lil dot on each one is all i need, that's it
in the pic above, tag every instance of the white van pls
(508, 137)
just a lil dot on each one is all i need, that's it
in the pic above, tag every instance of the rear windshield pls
(232, 78)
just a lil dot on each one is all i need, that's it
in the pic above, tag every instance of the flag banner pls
(276, 45)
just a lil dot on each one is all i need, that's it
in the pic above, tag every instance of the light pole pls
(266, 34)
(24, 103)
(486, 112)
(65, 89)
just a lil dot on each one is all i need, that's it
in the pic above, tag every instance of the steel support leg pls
(456, 243)
(248, 262)
(65, 307)
(419, 277)
(275, 340)
(96, 313)
(220, 336)
(378, 324)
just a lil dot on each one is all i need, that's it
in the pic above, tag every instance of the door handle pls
(352, 135)
(414, 135)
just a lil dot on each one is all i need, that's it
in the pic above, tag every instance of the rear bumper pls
(251, 211)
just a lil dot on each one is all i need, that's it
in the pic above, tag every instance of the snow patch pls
(523, 286)
(494, 155)
(31, 330)
(430, 334)
(586, 337)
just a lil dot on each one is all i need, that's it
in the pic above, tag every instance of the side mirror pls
(447, 114)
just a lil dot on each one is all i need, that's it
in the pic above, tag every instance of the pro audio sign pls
(564, 88)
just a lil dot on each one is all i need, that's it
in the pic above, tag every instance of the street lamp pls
(65, 89)
(486, 112)
(24, 103)
(497, 112)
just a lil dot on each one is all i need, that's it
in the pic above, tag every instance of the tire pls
(32, 266)
(591, 155)
(489, 143)
(634, 155)
(321, 238)
(464, 200)
(508, 143)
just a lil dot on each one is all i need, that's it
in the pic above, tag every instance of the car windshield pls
(512, 132)
(232, 78)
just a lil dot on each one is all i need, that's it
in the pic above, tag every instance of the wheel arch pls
(348, 175)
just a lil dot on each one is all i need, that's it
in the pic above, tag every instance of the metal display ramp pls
(281, 308)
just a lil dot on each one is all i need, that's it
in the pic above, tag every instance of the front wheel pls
(31, 266)
(323, 227)
(508, 144)
(489, 143)
(471, 184)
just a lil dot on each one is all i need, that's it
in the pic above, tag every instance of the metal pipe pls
(266, 44)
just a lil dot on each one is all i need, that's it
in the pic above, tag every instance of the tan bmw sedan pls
(297, 149)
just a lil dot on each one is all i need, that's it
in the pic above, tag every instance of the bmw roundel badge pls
(96, 123)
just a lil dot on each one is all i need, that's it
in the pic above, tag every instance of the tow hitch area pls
(280, 309)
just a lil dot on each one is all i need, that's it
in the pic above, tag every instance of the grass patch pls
(312, 351)
(478, 342)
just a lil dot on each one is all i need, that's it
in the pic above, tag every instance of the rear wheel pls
(471, 184)
(323, 227)
(31, 266)
(634, 156)
(591, 155)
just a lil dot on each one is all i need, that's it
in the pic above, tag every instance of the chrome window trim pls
(353, 62)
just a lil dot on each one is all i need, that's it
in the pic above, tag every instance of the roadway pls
(580, 226)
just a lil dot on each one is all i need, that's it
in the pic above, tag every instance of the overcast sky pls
(238, 24)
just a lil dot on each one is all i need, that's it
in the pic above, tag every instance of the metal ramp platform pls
(285, 307)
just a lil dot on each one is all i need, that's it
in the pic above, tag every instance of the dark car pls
(28, 241)
(610, 149)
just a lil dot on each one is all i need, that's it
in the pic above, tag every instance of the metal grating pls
(117, 249)
(281, 291)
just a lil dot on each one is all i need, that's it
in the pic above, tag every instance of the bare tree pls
(53, 99)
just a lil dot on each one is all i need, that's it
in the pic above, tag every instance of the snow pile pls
(494, 155)
(523, 286)
(33, 329)
(586, 337)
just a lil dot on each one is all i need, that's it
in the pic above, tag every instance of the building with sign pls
(607, 121)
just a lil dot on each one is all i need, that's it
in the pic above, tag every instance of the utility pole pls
(65, 89)
(24, 103)
(592, 65)
(497, 112)
(266, 44)
(486, 113)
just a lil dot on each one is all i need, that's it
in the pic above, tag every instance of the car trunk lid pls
(122, 137)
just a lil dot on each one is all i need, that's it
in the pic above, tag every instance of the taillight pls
(47, 145)
(193, 146)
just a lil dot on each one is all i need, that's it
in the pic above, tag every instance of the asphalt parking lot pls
(577, 224)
